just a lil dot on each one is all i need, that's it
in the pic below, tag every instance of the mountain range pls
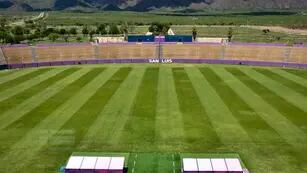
(148, 5)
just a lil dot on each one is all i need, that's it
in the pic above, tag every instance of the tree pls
(194, 33)
(101, 29)
(37, 33)
(230, 34)
(65, 38)
(18, 30)
(265, 31)
(73, 31)
(114, 29)
(62, 31)
(92, 33)
(2, 35)
(53, 36)
(159, 28)
(47, 31)
(9, 39)
(85, 31)
(124, 29)
(79, 39)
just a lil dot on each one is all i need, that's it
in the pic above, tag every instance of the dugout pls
(178, 38)
(141, 38)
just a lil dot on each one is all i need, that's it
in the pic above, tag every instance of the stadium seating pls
(67, 54)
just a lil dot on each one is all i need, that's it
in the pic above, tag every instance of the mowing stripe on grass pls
(16, 74)
(253, 124)
(287, 82)
(77, 126)
(38, 142)
(197, 126)
(280, 152)
(224, 122)
(290, 76)
(168, 109)
(6, 73)
(146, 162)
(279, 89)
(23, 78)
(300, 73)
(111, 121)
(18, 98)
(291, 112)
(31, 103)
(91, 109)
(24, 124)
(139, 131)
(12, 91)
(50, 105)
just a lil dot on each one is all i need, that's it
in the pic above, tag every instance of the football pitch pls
(155, 112)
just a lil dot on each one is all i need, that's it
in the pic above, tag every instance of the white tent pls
(219, 165)
(103, 163)
(204, 165)
(233, 165)
(95, 164)
(89, 163)
(74, 162)
(170, 32)
(117, 163)
(190, 165)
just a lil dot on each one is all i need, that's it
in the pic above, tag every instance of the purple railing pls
(195, 61)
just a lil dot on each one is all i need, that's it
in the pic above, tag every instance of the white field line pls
(174, 170)
(134, 163)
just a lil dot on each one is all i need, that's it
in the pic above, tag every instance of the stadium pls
(153, 107)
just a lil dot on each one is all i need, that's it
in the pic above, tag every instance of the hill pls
(147, 5)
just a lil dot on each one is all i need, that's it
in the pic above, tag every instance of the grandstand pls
(68, 54)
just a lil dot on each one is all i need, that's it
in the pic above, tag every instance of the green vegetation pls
(155, 113)
(83, 27)
(62, 18)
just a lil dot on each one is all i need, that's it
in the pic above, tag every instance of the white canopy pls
(204, 165)
(117, 163)
(89, 163)
(170, 32)
(103, 163)
(190, 164)
(74, 162)
(233, 164)
(219, 165)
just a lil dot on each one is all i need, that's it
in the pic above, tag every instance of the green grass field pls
(154, 112)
